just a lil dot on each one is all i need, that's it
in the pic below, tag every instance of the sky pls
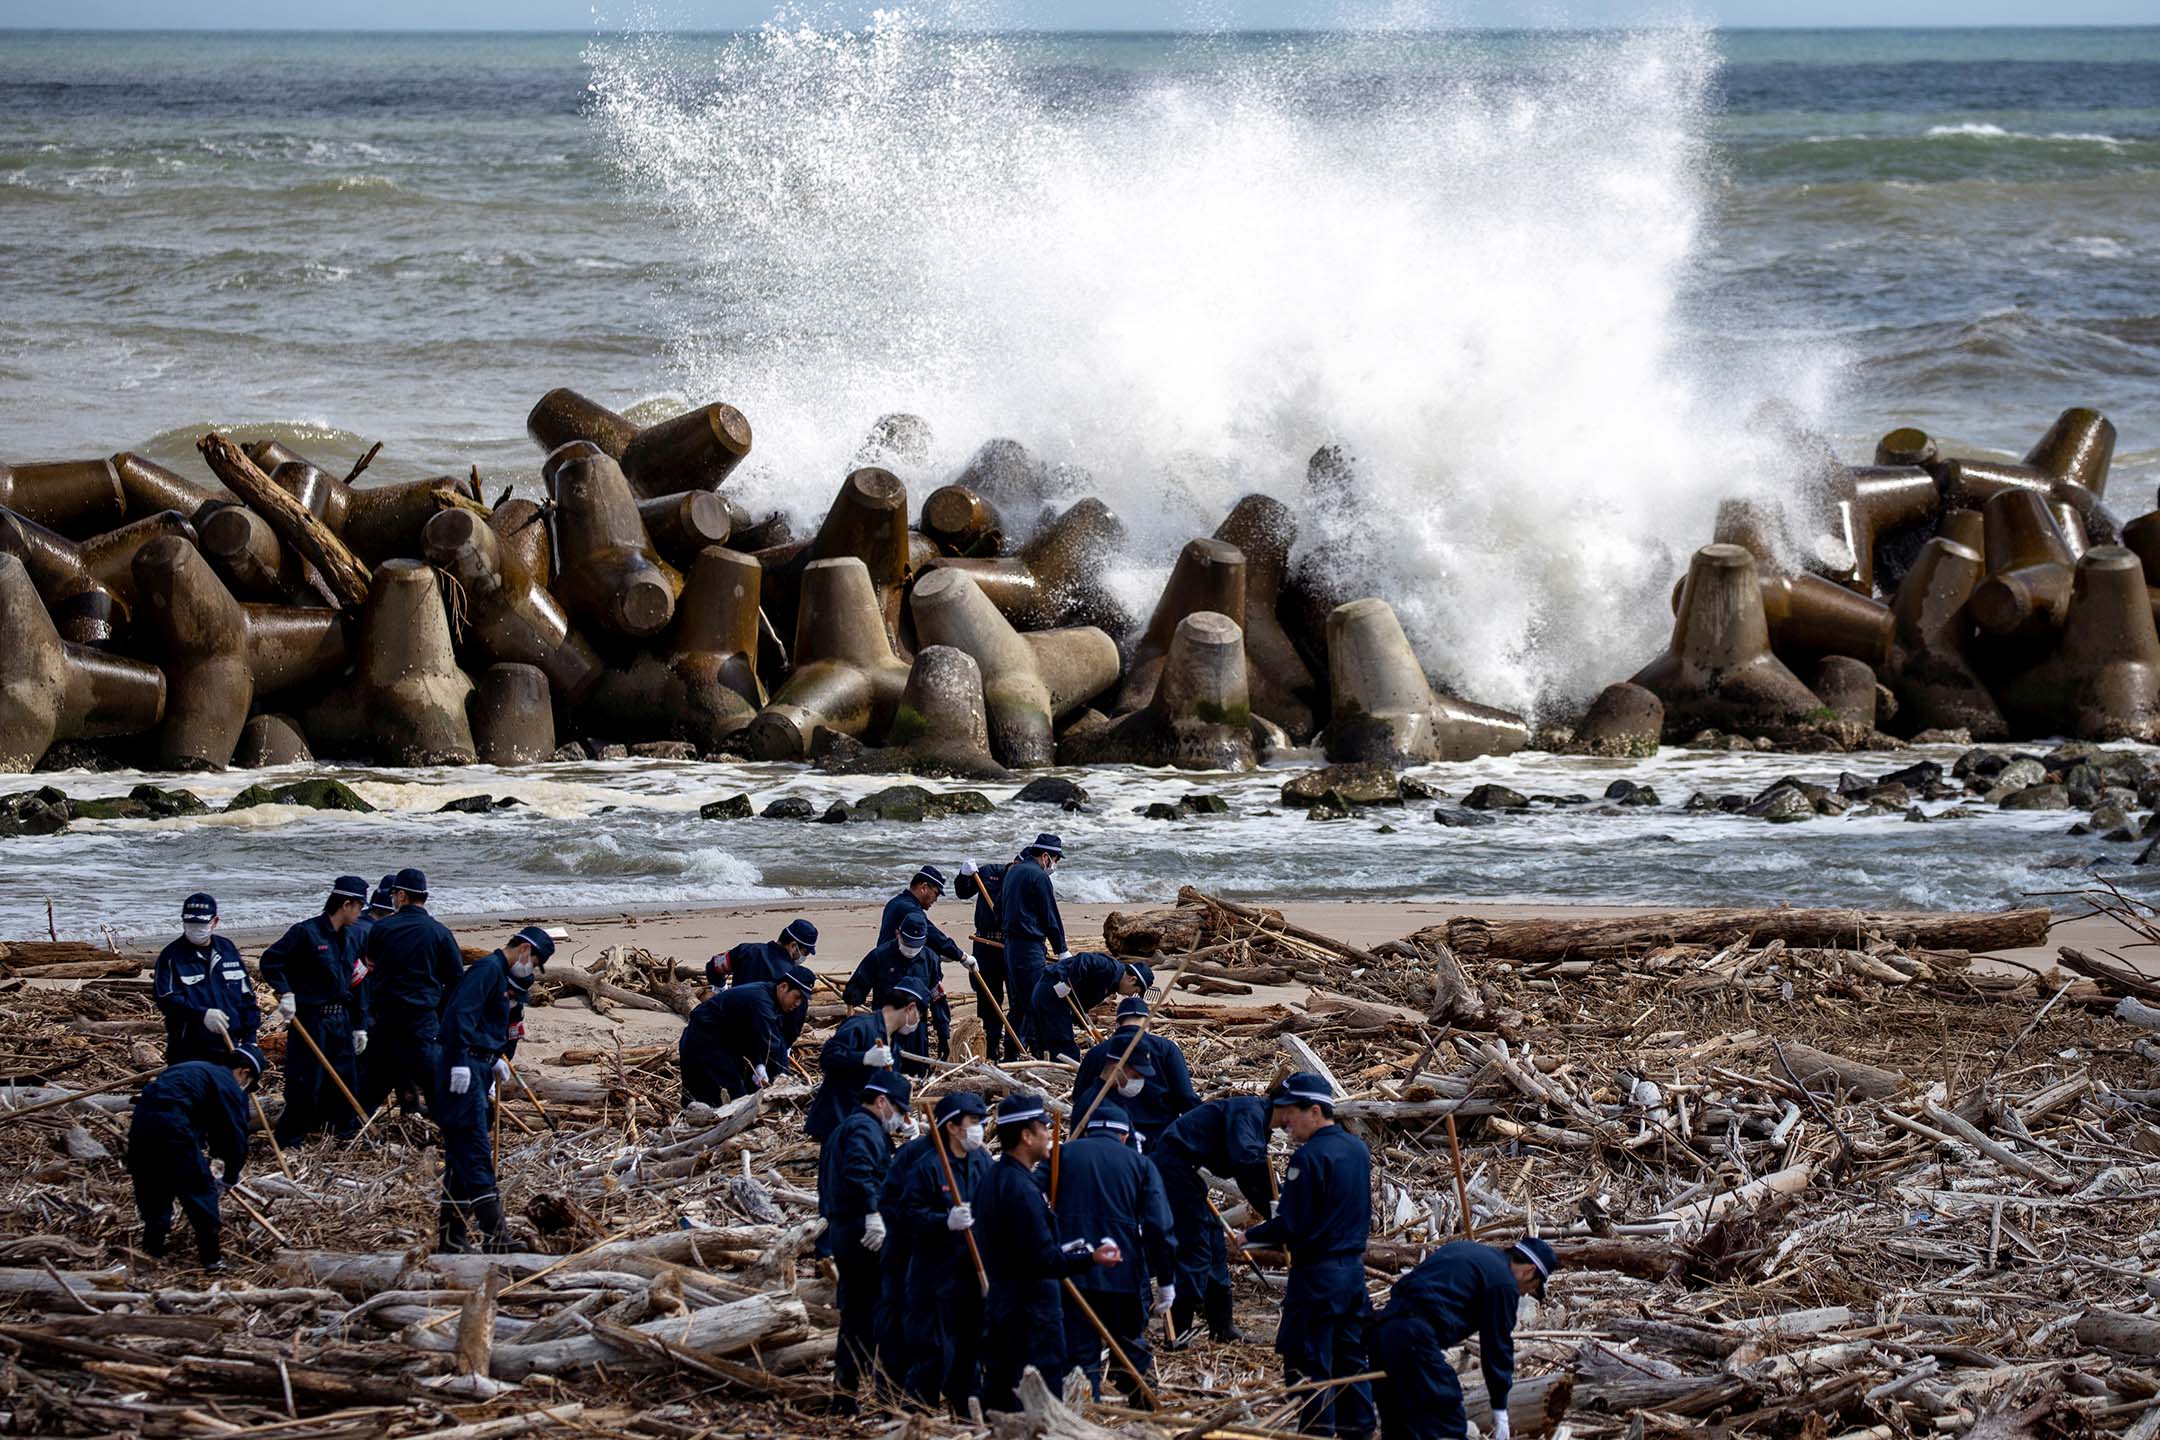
(1064, 15)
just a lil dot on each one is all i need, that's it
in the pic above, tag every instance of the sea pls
(1541, 284)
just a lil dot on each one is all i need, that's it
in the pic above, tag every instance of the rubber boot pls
(494, 1232)
(1219, 1321)
(154, 1241)
(1183, 1312)
(209, 1250)
(451, 1236)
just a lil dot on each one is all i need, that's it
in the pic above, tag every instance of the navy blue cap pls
(1538, 1254)
(1304, 1088)
(907, 990)
(543, 944)
(1132, 1007)
(382, 899)
(803, 933)
(914, 927)
(1020, 1107)
(959, 1103)
(1144, 971)
(348, 887)
(799, 976)
(199, 907)
(251, 1057)
(1049, 842)
(931, 873)
(889, 1083)
(1109, 1115)
(412, 880)
(1139, 1062)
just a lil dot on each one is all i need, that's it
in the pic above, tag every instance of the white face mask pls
(972, 1135)
(1131, 1087)
(911, 951)
(893, 1122)
(197, 931)
(911, 1027)
(523, 969)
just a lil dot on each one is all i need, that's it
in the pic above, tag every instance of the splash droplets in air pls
(1459, 259)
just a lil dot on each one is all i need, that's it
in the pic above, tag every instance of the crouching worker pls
(195, 1105)
(1459, 1290)
(476, 1025)
(736, 1040)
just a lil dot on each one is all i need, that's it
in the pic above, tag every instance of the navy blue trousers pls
(468, 1148)
(1322, 1335)
(166, 1163)
(948, 1361)
(1025, 961)
(1420, 1399)
(1022, 1326)
(312, 1100)
(1203, 1260)
(1124, 1315)
(861, 1281)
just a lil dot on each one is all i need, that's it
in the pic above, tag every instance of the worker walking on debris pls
(194, 1105)
(736, 1040)
(1229, 1138)
(1034, 930)
(986, 961)
(312, 969)
(1073, 986)
(203, 989)
(413, 964)
(1461, 1289)
(756, 960)
(1324, 1220)
(851, 1179)
(1150, 1079)
(943, 1301)
(1023, 1317)
(1108, 1191)
(907, 956)
(476, 1039)
(862, 1046)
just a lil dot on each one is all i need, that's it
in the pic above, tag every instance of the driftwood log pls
(1540, 941)
(347, 578)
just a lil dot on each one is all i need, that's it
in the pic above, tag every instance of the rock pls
(1385, 830)
(609, 751)
(1914, 777)
(1916, 816)
(1363, 783)
(1624, 722)
(1457, 818)
(168, 804)
(1559, 799)
(665, 750)
(468, 805)
(1160, 810)
(2038, 797)
(1327, 808)
(31, 813)
(1495, 797)
(789, 807)
(573, 751)
(835, 814)
(2019, 774)
(1781, 804)
(314, 794)
(1627, 792)
(114, 809)
(2104, 819)
(1943, 737)
(1897, 795)
(735, 807)
(912, 803)
(1052, 790)
(1200, 803)
(1416, 789)
(2115, 795)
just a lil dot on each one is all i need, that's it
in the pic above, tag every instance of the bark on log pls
(347, 578)
(589, 984)
(2114, 978)
(1143, 933)
(2124, 1334)
(1534, 1407)
(1546, 941)
(1819, 1070)
(1271, 920)
(2132, 1011)
(722, 1330)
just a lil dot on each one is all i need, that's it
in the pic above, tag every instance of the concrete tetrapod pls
(521, 529)
(1810, 616)
(867, 522)
(695, 450)
(513, 716)
(846, 679)
(896, 440)
(2069, 466)
(1846, 688)
(249, 557)
(1263, 530)
(404, 703)
(699, 683)
(377, 523)
(1209, 575)
(271, 740)
(219, 655)
(88, 585)
(942, 726)
(51, 690)
(511, 617)
(1718, 670)
(961, 522)
(607, 571)
(1866, 504)
(1385, 710)
(1056, 577)
(2029, 575)
(1930, 670)
(74, 497)
(150, 488)
(1029, 680)
(683, 524)
(1624, 720)
(2102, 681)
(563, 415)
(1200, 716)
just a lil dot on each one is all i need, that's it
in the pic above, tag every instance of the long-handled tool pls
(323, 1060)
(1236, 1242)
(952, 1186)
(262, 1115)
(520, 1078)
(1462, 1187)
(1094, 1035)
(982, 992)
(1102, 1092)
(1057, 1152)
(1117, 1351)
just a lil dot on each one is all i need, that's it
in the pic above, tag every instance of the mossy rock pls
(313, 794)
(735, 807)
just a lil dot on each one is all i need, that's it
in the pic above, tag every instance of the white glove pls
(1500, 1426)
(970, 964)
(960, 1217)
(760, 1076)
(359, 1042)
(502, 1070)
(1062, 989)
(877, 1057)
(967, 867)
(286, 1006)
(1165, 1297)
(1062, 955)
(873, 1232)
(460, 1080)
(214, 1021)
(912, 1130)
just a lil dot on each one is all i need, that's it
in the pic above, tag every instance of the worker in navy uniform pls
(413, 963)
(736, 1039)
(1108, 1191)
(1154, 1086)
(851, 1178)
(1461, 1289)
(907, 955)
(1228, 1138)
(1024, 1314)
(943, 1305)
(861, 1046)
(203, 989)
(380, 906)
(985, 961)
(1034, 930)
(1073, 986)
(1323, 1219)
(311, 970)
(755, 960)
(476, 1023)
(922, 892)
(192, 1106)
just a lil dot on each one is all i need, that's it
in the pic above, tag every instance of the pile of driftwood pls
(1841, 1181)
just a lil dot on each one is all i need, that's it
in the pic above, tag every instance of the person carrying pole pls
(202, 988)
(311, 969)
(1071, 987)
(907, 954)
(929, 1192)
(861, 1046)
(986, 961)
(1034, 930)
(1109, 1191)
(1154, 1085)
(413, 964)
(476, 1023)
(852, 1166)
(194, 1105)
(1461, 1289)
(1226, 1137)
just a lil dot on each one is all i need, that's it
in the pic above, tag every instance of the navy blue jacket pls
(915, 1203)
(748, 963)
(189, 980)
(1109, 1191)
(198, 1102)
(851, 1175)
(899, 908)
(314, 964)
(476, 1018)
(1020, 1251)
(1092, 974)
(1030, 905)
(987, 886)
(1226, 1137)
(413, 962)
(1461, 1289)
(1324, 1216)
(841, 1061)
(876, 972)
(744, 1021)
(1163, 1097)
